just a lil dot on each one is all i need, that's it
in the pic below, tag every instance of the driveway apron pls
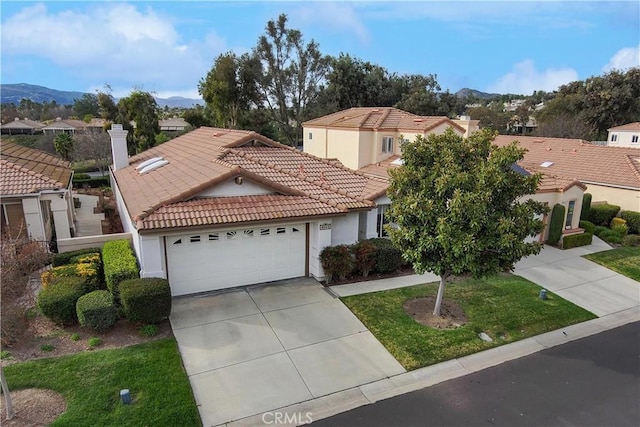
(253, 350)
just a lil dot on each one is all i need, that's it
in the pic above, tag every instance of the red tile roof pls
(381, 118)
(205, 157)
(629, 126)
(26, 170)
(576, 159)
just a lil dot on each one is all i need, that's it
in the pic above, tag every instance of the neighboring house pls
(73, 126)
(218, 208)
(368, 135)
(174, 124)
(625, 136)
(470, 126)
(21, 127)
(35, 189)
(611, 174)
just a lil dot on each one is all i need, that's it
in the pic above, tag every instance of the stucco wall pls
(319, 238)
(343, 145)
(231, 188)
(315, 145)
(628, 200)
(344, 229)
(624, 139)
(72, 244)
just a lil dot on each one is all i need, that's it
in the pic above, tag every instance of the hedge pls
(388, 259)
(97, 310)
(93, 182)
(336, 261)
(586, 206)
(610, 236)
(575, 240)
(119, 264)
(58, 303)
(67, 257)
(632, 240)
(88, 272)
(633, 221)
(588, 226)
(602, 214)
(365, 256)
(556, 224)
(146, 300)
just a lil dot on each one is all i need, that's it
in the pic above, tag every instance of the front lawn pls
(506, 307)
(625, 261)
(91, 382)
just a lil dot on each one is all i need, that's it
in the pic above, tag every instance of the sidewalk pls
(611, 296)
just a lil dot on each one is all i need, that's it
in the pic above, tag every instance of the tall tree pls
(87, 104)
(419, 94)
(63, 143)
(107, 107)
(292, 72)
(457, 208)
(141, 108)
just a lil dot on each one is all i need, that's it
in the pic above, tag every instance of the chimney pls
(119, 146)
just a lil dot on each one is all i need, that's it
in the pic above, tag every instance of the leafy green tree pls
(196, 116)
(456, 206)
(292, 72)
(420, 95)
(107, 107)
(141, 108)
(63, 143)
(491, 117)
(87, 104)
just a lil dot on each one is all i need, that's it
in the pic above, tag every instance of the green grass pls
(502, 306)
(47, 347)
(91, 383)
(94, 342)
(625, 261)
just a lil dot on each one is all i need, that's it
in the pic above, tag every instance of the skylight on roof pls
(398, 162)
(546, 164)
(148, 162)
(153, 166)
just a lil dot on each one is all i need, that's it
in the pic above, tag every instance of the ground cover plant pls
(505, 307)
(625, 261)
(92, 381)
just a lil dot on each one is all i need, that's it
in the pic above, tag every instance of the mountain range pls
(14, 93)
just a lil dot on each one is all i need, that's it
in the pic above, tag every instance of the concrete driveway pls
(264, 347)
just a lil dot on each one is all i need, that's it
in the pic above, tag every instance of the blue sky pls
(167, 46)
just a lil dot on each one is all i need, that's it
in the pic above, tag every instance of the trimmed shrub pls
(603, 213)
(58, 302)
(586, 206)
(365, 256)
(632, 240)
(617, 221)
(575, 240)
(97, 310)
(88, 272)
(336, 261)
(381, 242)
(555, 224)
(96, 182)
(388, 259)
(633, 221)
(620, 229)
(146, 300)
(588, 226)
(81, 176)
(599, 230)
(610, 236)
(67, 257)
(119, 264)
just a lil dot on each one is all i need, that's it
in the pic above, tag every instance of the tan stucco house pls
(625, 136)
(35, 190)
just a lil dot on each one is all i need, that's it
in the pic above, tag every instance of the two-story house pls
(625, 136)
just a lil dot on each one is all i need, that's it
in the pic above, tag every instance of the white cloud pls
(339, 17)
(625, 58)
(524, 78)
(119, 44)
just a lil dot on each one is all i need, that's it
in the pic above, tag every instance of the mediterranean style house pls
(219, 208)
(35, 189)
(625, 136)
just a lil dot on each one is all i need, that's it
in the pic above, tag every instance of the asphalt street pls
(594, 381)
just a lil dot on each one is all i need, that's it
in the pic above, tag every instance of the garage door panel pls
(227, 258)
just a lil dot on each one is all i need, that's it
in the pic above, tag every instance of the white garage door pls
(205, 261)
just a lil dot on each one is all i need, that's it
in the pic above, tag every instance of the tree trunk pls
(7, 396)
(436, 308)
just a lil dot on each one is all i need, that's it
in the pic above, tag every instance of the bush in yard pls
(365, 256)
(588, 226)
(119, 264)
(88, 272)
(599, 230)
(575, 240)
(617, 221)
(586, 206)
(97, 310)
(603, 213)
(610, 236)
(146, 300)
(336, 261)
(58, 302)
(633, 221)
(388, 257)
(555, 224)
(67, 257)
(620, 229)
(632, 240)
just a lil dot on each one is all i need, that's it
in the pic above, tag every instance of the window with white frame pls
(382, 220)
(634, 139)
(387, 144)
(614, 137)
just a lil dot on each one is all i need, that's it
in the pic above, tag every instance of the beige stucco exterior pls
(574, 193)
(627, 199)
(624, 138)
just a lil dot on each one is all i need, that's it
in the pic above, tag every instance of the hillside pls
(14, 93)
(472, 93)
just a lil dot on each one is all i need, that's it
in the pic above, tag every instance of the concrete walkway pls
(613, 297)
(88, 223)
